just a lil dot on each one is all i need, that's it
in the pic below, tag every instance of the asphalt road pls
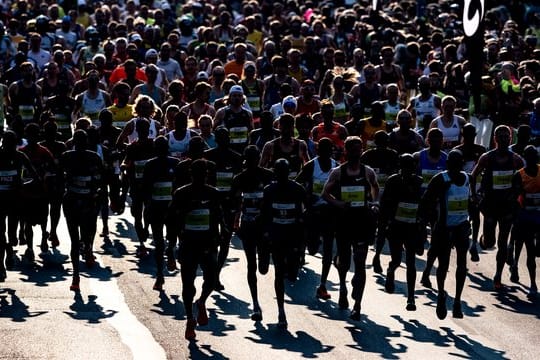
(117, 315)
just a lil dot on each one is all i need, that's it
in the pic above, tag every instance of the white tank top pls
(178, 147)
(423, 108)
(152, 134)
(92, 107)
(450, 134)
(390, 112)
(457, 201)
(319, 179)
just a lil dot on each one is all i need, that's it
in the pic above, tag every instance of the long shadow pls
(90, 311)
(472, 348)
(231, 305)
(166, 307)
(15, 309)
(204, 352)
(374, 338)
(300, 343)
(216, 326)
(421, 333)
(510, 302)
(51, 270)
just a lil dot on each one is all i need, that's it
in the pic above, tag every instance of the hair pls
(144, 99)
(351, 141)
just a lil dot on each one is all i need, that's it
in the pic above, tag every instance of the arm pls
(303, 152)
(136, 91)
(478, 169)
(77, 108)
(331, 184)
(266, 155)
(372, 179)
(218, 119)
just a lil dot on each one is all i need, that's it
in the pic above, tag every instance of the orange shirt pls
(232, 67)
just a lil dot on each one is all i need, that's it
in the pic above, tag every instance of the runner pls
(91, 101)
(266, 132)
(195, 213)
(431, 161)
(236, 119)
(497, 167)
(34, 197)
(137, 155)
(403, 139)
(54, 180)
(121, 110)
(399, 206)
(178, 139)
(157, 186)
(351, 189)
(384, 161)
(12, 165)
(247, 191)
(425, 106)
(25, 95)
(83, 171)
(449, 123)
(61, 106)
(285, 146)
(283, 202)
(330, 129)
(471, 153)
(369, 126)
(445, 204)
(319, 215)
(227, 164)
(526, 182)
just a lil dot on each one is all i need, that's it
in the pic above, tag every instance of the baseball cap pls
(151, 52)
(236, 89)
(135, 37)
(202, 75)
(289, 101)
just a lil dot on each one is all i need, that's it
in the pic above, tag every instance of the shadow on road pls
(166, 307)
(301, 342)
(472, 348)
(90, 311)
(13, 308)
(204, 352)
(374, 338)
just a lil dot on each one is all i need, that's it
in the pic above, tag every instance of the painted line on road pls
(132, 332)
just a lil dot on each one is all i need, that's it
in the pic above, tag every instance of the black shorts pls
(34, 211)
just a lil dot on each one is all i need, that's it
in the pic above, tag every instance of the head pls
(286, 125)
(469, 133)
(530, 155)
(222, 137)
(281, 169)
(455, 161)
(236, 96)
(502, 135)
(424, 85)
(252, 155)
(205, 125)
(145, 106)
(304, 124)
(106, 118)
(161, 145)
(143, 128)
(448, 104)
(180, 121)
(80, 140)
(121, 91)
(289, 104)
(327, 110)
(353, 148)
(524, 134)
(407, 164)
(381, 139)
(392, 92)
(50, 130)
(325, 148)
(267, 120)
(202, 91)
(435, 139)
(31, 132)
(199, 171)
(196, 147)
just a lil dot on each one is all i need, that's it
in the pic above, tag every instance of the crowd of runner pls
(295, 125)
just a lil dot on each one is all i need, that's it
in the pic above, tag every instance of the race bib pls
(458, 206)
(139, 168)
(318, 186)
(406, 212)
(532, 201)
(238, 135)
(224, 181)
(26, 112)
(254, 103)
(198, 220)
(283, 213)
(355, 195)
(162, 191)
(502, 180)
(427, 175)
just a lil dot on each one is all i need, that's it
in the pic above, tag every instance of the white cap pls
(236, 89)
(202, 75)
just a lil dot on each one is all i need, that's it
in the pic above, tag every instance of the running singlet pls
(92, 107)
(457, 201)
(121, 115)
(451, 134)
(319, 179)
(428, 169)
(423, 108)
(530, 200)
(178, 147)
(390, 113)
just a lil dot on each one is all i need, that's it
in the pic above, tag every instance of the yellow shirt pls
(121, 115)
